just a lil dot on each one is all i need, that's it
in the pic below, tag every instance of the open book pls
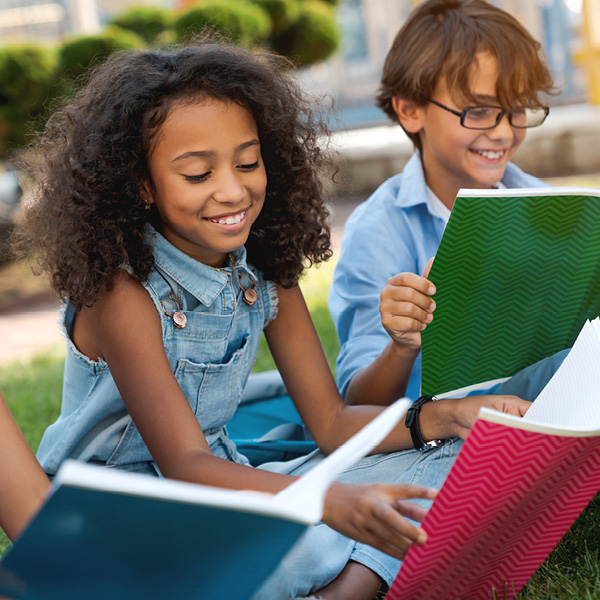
(517, 274)
(515, 489)
(110, 535)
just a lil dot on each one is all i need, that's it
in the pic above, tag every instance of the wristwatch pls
(412, 422)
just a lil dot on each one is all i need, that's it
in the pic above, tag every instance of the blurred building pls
(48, 20)
(572, 45)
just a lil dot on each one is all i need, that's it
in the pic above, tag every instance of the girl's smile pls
(208, 178)
(230, 220)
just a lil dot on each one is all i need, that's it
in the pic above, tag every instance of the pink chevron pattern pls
(508, 500)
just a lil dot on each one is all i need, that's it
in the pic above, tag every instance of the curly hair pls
(441, 38)
(84, 216)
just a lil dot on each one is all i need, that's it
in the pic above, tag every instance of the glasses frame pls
(462, 114)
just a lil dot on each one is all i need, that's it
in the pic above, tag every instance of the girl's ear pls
(409, 114)
(146, 194)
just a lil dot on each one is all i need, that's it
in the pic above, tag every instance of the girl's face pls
(209, 178)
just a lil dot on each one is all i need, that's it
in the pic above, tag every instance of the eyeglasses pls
(488, 117)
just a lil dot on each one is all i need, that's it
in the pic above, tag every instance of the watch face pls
(431, 445)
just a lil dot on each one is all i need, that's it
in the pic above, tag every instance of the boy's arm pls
(406, 308)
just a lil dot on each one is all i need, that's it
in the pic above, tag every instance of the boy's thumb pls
(428, 267)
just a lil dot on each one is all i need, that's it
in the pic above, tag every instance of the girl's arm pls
(125, 330)
(23, 483)
(300, 359)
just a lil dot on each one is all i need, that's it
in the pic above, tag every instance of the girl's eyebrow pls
(212, 153)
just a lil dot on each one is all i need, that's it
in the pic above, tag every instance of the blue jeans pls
(321, 553)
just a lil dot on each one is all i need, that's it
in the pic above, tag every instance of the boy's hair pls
(84, 216)
(441, 38)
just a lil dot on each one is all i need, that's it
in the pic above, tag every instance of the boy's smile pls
(208, 178)
(453, 156)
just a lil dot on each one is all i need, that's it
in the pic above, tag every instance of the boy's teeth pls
(231, 220)
(490, 154)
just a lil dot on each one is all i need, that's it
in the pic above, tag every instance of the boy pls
(463, 79)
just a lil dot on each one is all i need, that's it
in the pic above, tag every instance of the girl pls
(177, 203)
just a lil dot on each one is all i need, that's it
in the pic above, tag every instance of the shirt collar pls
(413, 190)
(203, 282)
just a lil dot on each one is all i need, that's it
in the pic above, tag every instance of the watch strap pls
(411, 421)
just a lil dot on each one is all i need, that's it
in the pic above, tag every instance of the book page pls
(570, 399)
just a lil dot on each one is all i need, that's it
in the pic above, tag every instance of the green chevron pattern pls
(516, 277)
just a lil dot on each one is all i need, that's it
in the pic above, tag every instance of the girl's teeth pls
(233, 220)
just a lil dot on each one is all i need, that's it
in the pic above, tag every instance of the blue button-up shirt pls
(397, 230)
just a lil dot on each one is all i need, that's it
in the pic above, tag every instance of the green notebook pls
(517, 275)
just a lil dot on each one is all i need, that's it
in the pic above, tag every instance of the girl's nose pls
(229, 189)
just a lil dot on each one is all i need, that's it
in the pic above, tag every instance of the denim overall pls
(211, 358)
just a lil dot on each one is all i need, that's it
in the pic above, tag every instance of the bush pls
(77, 54)
(313, 37)
(26, 75)
(242, 22)
(282, 12)
(149, 22)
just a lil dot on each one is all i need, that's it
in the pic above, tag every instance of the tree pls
(149, 22)
(27, 73)
(242, 22)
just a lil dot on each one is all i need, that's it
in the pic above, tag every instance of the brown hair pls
(85, 217)
(441, 38)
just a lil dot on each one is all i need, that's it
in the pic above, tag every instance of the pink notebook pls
(516, 488)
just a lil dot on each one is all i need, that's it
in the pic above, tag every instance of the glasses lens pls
(528, 117)
(535, 116)
(481, 117)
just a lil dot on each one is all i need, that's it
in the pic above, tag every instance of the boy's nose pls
(503, 130)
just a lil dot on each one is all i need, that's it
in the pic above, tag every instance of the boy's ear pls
(409, 114)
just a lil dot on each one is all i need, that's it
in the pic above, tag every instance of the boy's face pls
(453, 156)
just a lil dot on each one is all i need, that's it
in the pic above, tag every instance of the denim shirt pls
(397, 230)
(211, 358)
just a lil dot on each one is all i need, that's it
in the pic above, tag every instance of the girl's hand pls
(467, 409)
(406, 307)
(372, 514)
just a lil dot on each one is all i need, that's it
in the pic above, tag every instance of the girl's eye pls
(197, 178)
(250, 167)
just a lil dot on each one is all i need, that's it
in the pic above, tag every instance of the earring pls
(147, 206)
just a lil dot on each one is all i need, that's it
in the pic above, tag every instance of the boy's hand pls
(372, 514)
(406, 307)
(466, 409)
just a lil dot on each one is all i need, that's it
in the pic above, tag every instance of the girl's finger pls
(395, 529)
(405, 491)
(410, 510)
